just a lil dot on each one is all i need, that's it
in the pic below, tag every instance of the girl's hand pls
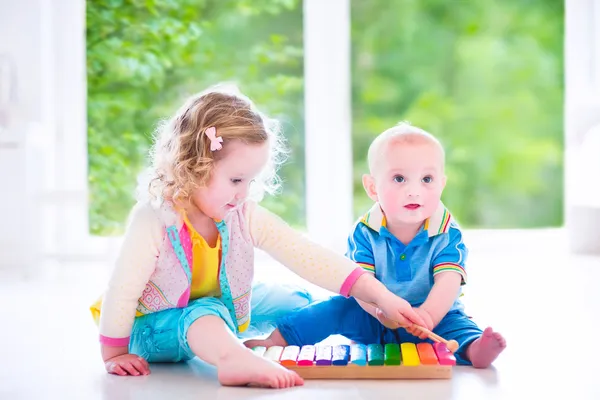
(385, 321)
(397, 312)
(127, 364)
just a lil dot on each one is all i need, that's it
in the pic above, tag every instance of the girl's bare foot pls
(246, 368)
(483, 351)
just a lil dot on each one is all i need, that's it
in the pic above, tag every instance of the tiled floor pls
(524, 284)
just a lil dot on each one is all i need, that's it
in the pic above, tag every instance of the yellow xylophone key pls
(273, 353)
(410, 356)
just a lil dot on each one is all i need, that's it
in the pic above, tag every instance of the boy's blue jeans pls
(344, 316)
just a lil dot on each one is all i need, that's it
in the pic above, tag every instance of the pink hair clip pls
(215, 142)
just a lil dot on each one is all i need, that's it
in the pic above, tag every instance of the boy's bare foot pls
(275, 339)
(483, 351)
(247, 368)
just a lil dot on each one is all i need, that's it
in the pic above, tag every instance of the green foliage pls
(486, 77)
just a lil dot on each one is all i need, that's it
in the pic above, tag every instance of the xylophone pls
(359, 361)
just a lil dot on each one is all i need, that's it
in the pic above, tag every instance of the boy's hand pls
(428, 324)
(127, 364)
(397, 312)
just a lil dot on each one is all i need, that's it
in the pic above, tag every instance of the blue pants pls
(344, 316)
(162, 336)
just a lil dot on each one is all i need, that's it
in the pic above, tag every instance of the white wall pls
(43, 153)
(21, 82)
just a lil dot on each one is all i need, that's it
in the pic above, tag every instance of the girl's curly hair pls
(181, 159)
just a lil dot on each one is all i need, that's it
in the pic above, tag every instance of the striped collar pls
(435, 225)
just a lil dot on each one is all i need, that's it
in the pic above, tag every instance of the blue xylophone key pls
(341, 354)
(358, 354)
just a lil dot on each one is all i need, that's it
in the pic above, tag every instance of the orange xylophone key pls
(427, 354)
(289, 355)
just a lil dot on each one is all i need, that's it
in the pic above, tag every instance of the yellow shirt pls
(205, 271)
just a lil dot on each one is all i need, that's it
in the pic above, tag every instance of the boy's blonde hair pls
(181, 156)
(403, 132)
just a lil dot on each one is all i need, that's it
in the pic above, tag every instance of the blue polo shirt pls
(408, 270)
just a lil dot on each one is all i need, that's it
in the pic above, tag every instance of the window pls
(144, 58)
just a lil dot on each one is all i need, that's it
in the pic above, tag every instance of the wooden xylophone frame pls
(352, 371)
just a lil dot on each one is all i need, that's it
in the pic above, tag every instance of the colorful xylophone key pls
(306, 356)
(323, 355)
(392, 354)
(358, 354)
(426, 353)
(274, 353)
(445, 356)
(375, 355)
(410, 356)
(289, 355)
(340, 354)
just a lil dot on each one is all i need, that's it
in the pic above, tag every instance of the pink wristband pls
(114, 342)
(351, 280)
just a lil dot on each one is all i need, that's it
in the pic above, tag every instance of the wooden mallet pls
(452, 345)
